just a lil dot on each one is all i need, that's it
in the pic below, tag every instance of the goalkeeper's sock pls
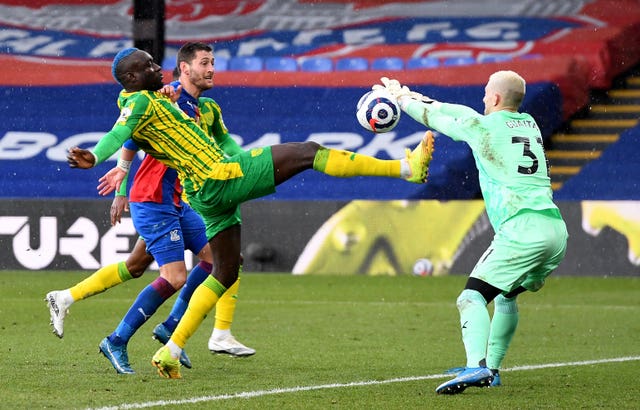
(339, 163)
(226, 307)
(197, 275)
(503, 326)
(475, 323)
(202, 301)
(145, 305)
(101, 280)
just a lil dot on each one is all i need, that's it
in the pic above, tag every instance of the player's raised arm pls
(107, 146)
(452, 120)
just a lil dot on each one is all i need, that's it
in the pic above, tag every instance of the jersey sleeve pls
(133, 112)
(219, 130)
(130, 145)
(453, 120)
(110, 143)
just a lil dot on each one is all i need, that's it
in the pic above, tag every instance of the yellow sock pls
(204, 298)
(226, 307)
(339, 163)
(101, 280)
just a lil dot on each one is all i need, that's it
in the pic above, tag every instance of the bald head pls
(505, 90)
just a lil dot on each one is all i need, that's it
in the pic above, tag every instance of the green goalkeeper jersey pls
(165, 132)
(508, 152)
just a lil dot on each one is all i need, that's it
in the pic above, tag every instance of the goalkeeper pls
(530, 235)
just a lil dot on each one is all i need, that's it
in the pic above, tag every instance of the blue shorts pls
(168, 230)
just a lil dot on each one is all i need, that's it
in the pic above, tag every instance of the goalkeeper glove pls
(402, 94)
(393, 87)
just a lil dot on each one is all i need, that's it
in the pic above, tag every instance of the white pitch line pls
(259, 393)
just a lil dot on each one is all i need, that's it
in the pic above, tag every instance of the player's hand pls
(111, 181)
(397, 90)
(392, 86)
(80, 158)
(171, 92)
(119, 205)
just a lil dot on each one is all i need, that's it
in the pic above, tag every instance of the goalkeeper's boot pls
(420, 158)
(496, 378)
(117, 355)
(58, 309)
(496, 375)
(168, 366)
(473, 376)
(229, 345)
(162, 335)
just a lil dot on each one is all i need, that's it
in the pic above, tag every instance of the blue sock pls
(145, 305)
(198, 274)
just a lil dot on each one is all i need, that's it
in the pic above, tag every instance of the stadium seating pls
(316, 64)
(245, 64)
(221, 64)
(417, 63)
(494, 59)
(387, 64)
(352, 64)
(456, 61)
(280, 64)
(169, 63)
(613, 176)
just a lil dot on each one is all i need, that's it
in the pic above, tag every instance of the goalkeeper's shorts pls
(524, 251)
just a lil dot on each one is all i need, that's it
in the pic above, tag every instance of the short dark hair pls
(188, 51)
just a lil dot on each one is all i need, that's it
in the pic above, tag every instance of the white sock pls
(67, 299)
(219, 334)
(175, 350)
(405, 169)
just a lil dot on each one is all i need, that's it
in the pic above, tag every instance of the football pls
(423, 267)
(377, 111)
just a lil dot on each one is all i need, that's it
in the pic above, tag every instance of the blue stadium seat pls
(317, 64)
(245, 64)
(612, 176)
(352, 64)
(280, 64)
(456, 61)
(530, 56)
(388, 64)
(221, 64)
(494, 59)
(417, 63)
(169, 63)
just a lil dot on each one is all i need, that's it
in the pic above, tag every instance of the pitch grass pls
(323, 330)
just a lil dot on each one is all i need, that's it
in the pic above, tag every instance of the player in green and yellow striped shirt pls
(215, 186)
